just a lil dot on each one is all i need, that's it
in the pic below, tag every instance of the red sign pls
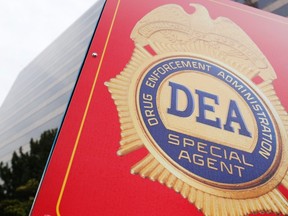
(85, 176)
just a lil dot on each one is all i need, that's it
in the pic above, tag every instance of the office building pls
(39, 96)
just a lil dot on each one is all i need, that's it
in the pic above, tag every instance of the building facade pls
(40, 94)
(279, 7)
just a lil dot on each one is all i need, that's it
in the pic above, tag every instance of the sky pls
(27, 28)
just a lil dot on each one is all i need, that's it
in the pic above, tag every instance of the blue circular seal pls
(200, 157)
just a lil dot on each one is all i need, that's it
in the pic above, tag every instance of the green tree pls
(20, 178)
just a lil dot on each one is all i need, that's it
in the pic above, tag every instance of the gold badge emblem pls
(198, 94)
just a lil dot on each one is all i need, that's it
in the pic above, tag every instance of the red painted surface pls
(99, 182)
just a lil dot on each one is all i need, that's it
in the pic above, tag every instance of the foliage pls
(20, 178)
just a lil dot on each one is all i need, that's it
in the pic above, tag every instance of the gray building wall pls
(39, 96)
(279, 7)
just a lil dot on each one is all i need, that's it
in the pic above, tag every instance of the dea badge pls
(189, 96)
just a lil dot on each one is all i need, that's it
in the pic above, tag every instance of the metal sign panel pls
(199, 114)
